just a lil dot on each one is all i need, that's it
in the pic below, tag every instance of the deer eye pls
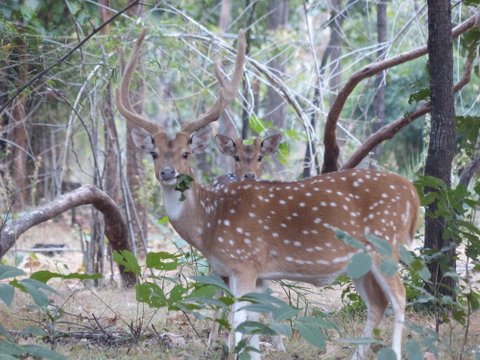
(260, 157)
(237, 158)
(185, 155)
(154, 154)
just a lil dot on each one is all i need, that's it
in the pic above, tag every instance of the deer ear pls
(270, 144)
(143, 140)
(225, 144)
(200, 139)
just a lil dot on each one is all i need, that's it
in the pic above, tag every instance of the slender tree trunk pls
(379, 99)
(225, 15)
(277, 21)
(245, 112)
(135, 171)
(335, 46)
(442, 135)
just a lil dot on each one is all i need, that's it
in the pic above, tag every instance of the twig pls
(64, 57)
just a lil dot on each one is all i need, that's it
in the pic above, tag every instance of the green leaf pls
(7, 357)
(382, 247)
(471, 2)
(163, 220)
(128, 260)
(7, 271)
(41, 352)
(34, 331)
(359, 265)
(212, 280)
(36, 289)
(386, 354)
(183, 184)
(258, 125)
(152, 294)
(254, 327)
(420, 95)
(6, 293)
(312, 334)
(8, 348)
(349, 240)
(388, 267)
(471, 39)
(405, 255)
(413, 350)
(45, 275)
(162, 260)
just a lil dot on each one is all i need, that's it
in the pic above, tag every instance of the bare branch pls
(389, 131)
(330, 162)
(115, 226)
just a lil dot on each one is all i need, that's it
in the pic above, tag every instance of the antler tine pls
(122, 95)
(228, 90)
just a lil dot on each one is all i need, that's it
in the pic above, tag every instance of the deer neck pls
(187, 216)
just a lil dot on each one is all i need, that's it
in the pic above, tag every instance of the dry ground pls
(89, 314)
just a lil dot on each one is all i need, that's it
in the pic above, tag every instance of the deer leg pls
(376, 302)
(241, 286)
(395, 292)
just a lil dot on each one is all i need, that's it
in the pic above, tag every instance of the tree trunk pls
(379, 98)
(277, 21)
(335, 47)
(442, 136)
(115, 226)
(137, 216)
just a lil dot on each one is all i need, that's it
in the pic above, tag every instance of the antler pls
(228, 90)
(122, 96)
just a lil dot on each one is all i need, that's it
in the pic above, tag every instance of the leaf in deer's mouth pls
(183, 184)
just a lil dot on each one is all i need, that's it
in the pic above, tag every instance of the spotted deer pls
(248, 157)
(248, 166)
(265, 230)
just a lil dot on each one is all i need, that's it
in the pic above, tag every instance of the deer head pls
(248, 158)
(171, 156)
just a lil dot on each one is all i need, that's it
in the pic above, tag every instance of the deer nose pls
(167, 173)
(249, 176)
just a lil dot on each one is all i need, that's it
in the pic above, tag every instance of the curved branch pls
(330, 160)
(470, 171)
(389, 131)
(115, 225)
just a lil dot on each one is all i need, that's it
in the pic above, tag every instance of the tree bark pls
(115, 226)
(277, 21)
(137, 214)
(379, 98)
(442, 136)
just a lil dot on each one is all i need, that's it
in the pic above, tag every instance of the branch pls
(470, 171)
(66, 56)
(389, 131)
(330, 160)
(115, 225)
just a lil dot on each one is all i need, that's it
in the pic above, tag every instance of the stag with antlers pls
(260, 230)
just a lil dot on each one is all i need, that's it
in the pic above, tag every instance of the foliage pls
(36, 287)
(193, 297)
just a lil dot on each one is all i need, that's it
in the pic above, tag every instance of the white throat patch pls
(171, 202)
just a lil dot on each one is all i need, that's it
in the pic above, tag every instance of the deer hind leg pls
(395, 291)
(241, 286)
(376, 302)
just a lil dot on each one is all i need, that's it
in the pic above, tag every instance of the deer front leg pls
(241, 285)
